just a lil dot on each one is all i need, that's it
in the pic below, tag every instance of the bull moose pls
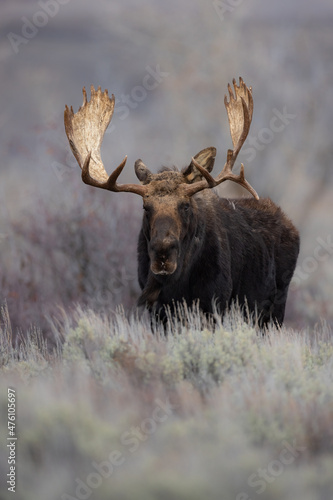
(193, 244)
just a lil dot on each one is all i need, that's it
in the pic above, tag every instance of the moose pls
(195, 246)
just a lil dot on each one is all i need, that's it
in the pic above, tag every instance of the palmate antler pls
(86, 128)
(240, 110)
(85, 131)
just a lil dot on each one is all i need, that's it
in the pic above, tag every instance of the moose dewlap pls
(194, 245)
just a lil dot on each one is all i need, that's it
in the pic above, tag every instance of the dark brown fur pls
(225, 250)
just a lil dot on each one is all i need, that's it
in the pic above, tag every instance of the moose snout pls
(163, 256)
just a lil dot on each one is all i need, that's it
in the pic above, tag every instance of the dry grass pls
(195, 413)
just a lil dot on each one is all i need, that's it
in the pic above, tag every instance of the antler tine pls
(228, 175)
(111, 183)
(85, 131)
(207, 182)
(239, 109)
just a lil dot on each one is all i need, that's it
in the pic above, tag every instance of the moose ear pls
(206, 159)
(142, 172)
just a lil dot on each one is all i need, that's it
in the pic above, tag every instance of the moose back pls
(194, 245)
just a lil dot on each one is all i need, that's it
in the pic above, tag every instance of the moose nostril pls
(163, 250)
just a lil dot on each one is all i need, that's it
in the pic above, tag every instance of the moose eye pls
(147, 208)
(185, 207)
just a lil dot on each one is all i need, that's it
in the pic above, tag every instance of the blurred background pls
(168, 64)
